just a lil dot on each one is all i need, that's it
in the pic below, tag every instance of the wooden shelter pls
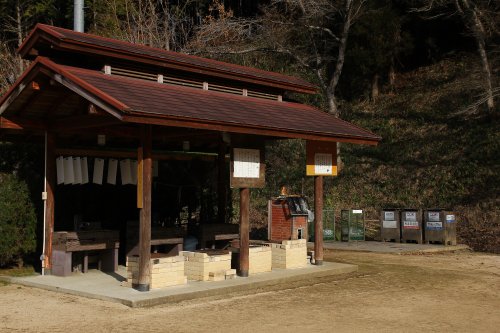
(151, 104)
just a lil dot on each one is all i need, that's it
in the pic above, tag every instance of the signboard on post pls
(321, 158)
(247, 168)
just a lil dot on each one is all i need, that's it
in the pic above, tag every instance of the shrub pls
(17, 220)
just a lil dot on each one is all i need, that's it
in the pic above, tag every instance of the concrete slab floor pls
(389, 247)
(107, 286)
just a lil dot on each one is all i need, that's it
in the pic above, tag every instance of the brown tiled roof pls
(144, 101)
(65, 39)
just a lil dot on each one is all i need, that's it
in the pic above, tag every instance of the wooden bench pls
(65, 243)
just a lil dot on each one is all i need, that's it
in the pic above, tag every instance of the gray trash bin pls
(411, 225)
(440, 226)
(390, 225)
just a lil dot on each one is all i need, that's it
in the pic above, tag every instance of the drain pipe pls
(44, 198)
(78, 17)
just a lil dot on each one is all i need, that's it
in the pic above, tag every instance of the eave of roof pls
(64, 39)
(139, 101)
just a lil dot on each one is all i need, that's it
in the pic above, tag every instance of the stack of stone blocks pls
(289, 254)
(203, 266)
(260, 259)
(165, 271)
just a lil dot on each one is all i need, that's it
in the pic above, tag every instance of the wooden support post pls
(145, 213)
(318, 220)
(223, 178)
(50, 202)
(244, 232)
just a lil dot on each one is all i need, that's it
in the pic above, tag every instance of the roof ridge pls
(184, 59)
(183, 88)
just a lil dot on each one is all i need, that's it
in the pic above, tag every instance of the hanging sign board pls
(247, 168)
(321, 158)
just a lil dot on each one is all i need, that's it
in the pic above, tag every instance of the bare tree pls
(12, 66)
(481, 18)
(311, 34)
(158, 23)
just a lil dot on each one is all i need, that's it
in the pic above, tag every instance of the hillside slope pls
(433, 154)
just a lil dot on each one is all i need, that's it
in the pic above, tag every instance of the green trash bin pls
(352, 225)
(328, 226)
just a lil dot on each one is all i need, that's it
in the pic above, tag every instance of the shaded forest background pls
(422, 74)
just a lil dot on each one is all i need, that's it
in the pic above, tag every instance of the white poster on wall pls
(246, 163)
(60, 170)
(98, 171)
(77, 169)
(69, 175)
(112, 169)
(126, 171)
(85, 170)
(133, 172)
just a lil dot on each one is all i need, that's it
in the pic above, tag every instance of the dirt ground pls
(457, 292)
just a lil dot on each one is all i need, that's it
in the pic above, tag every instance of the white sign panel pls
(85, 170)
(126, 171)
(323, 164)
(410, 216)
(69, 175)
(60, 169)
(112, 169)
(434, 225)
(98, 171)
(410, 224)
(450, 218)
(133, 171)
(433, 216)
(246, 163)
(389, 224)
(77, 170)
(389, 216)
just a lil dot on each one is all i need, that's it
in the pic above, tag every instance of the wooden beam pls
(243, 129)
(89, 96)
(50, 181)
(22, 124)
(144, 279)
(17, 90)
(140, 181)
(244, 232)
(82, 122)
(222, 183)
(160, 156)
(318, 220)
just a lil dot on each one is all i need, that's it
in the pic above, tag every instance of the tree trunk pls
(332, 101)
(19, 29)
(375, 90)
(392, 77)
(481, 46)
(471, 17)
